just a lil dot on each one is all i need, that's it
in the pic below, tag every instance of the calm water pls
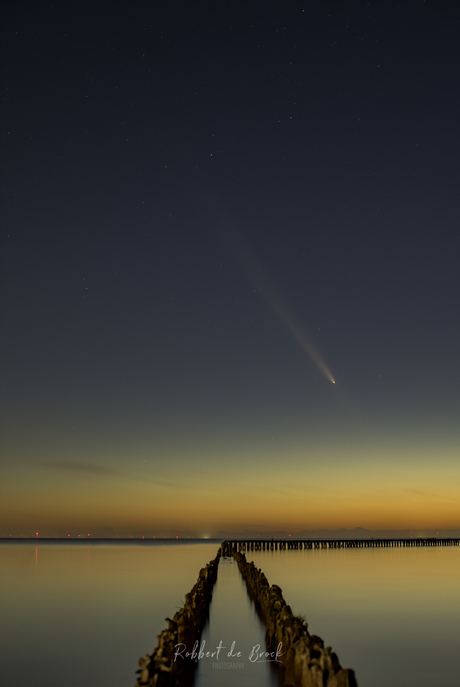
(393, 615)
(81, 615)
(234, 625)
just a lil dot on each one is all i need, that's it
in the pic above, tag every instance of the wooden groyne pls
(281, 544)
(306, 662)
(160, 669)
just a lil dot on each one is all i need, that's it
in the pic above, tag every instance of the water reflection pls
(390, 614)
(82, 614)
(235, 626)
(78, 617)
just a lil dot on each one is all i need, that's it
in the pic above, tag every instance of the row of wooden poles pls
(282, 544)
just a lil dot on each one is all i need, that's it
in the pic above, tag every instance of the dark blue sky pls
(188, 190)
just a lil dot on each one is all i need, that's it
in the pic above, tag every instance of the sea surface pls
(80, 613)
(393, 615)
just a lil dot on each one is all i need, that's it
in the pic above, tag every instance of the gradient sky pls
(211, 212)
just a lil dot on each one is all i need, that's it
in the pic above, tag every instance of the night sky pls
(230, 279)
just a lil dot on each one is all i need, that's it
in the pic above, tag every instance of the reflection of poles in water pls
(184, 630)
(303, 658)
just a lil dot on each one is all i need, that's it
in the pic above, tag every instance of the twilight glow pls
(229, 272)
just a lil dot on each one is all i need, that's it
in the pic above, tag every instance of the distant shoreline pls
(107, 540)
(178, 540)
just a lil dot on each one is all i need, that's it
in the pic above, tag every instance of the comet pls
(273, 298)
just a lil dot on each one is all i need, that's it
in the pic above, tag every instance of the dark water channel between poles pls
(235, 626)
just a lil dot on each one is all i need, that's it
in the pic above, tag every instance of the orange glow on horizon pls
(290, 486)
